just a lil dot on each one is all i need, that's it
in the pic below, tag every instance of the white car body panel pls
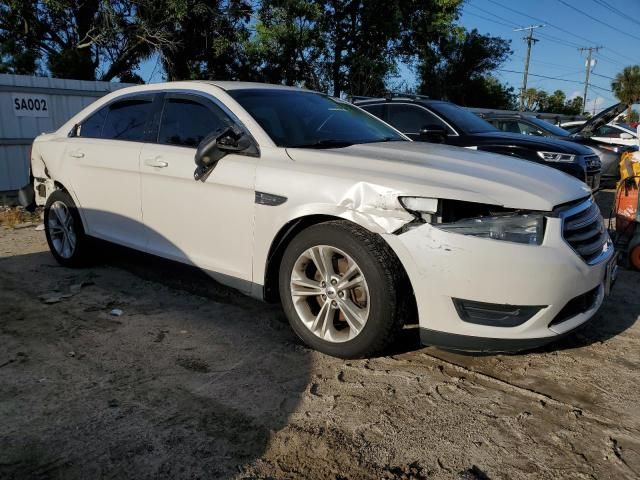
(208, 224)
(629, 142)
(217, 225)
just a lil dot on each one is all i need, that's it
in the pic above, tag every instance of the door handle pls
(76, 154)
(156, 162)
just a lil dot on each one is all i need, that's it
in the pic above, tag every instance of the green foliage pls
(288, 45)
(343, 46)
(626, 87)
(540, 101)
(86, 40)
(202, 38)
(457, 67)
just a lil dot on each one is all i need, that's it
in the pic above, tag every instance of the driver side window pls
(411, 118)
(186, 120)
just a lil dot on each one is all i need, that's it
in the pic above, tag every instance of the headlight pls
(556, 157)
(420, 206)
(519, 228)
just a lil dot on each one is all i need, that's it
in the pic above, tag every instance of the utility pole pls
(530, 41)
(587, 72)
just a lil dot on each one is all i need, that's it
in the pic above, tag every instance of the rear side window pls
(126, 120)
(377, 110)
(186, 121)
(92, 126)
(410, 118)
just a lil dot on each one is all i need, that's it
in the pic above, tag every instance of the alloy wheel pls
(61, 229)
(330, 293)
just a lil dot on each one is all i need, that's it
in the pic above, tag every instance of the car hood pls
(544, 144)
(604, 117)
(440, 171)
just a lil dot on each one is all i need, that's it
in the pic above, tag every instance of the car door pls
(206, 223)
(102, 165)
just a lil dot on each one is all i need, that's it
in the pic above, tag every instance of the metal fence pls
(30, 106)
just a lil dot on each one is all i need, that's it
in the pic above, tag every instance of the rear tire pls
(634, 257)
(63, 227)
(352, 308)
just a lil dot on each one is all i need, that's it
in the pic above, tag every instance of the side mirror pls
(433, 133)
(216, 145)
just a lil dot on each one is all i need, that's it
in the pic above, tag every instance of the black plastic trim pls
(269, 199)
(466, 343)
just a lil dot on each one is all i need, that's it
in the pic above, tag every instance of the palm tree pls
(626, 87)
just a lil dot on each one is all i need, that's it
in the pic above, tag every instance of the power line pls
(489, 19)
(540, 20)
(603, 76)
(587, 70)
(530, 42)
(616, 11)
(553, 78)
(572, 44)
(513, 25)
(595, 19)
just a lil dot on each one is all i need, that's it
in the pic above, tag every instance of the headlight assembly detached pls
(556, 157)
(519, 228)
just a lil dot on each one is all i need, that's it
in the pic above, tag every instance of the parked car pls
(611, 133)
(293, 196)
(438, 121)
(608, 153)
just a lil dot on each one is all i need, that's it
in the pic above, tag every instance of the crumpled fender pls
(371, 206)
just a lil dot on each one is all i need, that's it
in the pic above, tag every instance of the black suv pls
(527, 124)
(438, 121)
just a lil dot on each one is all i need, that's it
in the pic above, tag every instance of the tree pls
(626, 87)
(87, 40)
(204, 38)
(460, 62)
(540, 101)
(346, 46)
(288, 45)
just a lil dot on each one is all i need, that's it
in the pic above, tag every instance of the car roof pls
(224, 85)
(408, 98)
(236, 85)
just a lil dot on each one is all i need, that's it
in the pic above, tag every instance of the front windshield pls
(462, 119)
(549, 127)
(308, 119)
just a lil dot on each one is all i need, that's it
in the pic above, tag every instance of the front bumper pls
(442, 266)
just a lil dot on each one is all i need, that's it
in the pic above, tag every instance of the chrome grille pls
(583, 228)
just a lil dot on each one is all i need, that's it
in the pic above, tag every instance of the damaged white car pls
(301, 198)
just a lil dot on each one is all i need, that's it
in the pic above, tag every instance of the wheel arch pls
(289, 231)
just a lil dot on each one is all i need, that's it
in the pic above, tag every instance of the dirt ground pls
(194, 380)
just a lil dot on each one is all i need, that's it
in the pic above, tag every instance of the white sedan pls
(293, 196)
(613, 133)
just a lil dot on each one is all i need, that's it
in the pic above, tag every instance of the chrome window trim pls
(454, 134)
(166, 91)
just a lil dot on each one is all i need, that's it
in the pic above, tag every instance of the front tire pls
(63, 228)
(339, 288)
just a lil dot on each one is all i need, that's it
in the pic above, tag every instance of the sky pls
(613, 25)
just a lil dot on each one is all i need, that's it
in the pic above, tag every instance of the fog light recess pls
(495, 314)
